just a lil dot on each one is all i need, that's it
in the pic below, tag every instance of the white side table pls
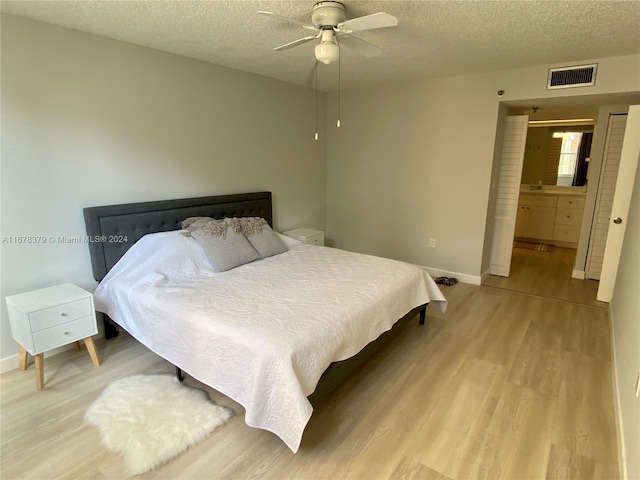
(306, 235)
(49, 318)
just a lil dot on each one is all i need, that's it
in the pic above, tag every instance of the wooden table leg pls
(76, 346)
(91, 348)
(39, 358)
(23, 357)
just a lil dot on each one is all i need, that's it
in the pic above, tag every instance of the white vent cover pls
(569, 77)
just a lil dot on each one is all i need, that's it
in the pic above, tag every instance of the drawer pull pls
(66, 333)
(63, 314)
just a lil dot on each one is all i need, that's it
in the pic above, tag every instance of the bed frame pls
(113, 229)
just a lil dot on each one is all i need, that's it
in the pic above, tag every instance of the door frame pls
(611, 105)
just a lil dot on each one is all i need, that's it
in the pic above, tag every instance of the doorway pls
(546, 273)
(549, 273)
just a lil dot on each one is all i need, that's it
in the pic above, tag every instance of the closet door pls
(512, 157)
(604, 198)
(629, 160)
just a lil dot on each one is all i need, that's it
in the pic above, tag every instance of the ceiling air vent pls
(569, 77)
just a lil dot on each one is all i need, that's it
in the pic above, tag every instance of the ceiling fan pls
(333, 29)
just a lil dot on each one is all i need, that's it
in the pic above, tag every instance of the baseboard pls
(486, 274)
(462, 277)
(622, 452)
(11, 363)
(579, 274)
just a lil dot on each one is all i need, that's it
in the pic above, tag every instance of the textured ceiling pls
(432, 39)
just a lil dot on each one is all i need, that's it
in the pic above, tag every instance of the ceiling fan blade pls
(358, 45)
(368, 22)
(286, 19)
(295, 43)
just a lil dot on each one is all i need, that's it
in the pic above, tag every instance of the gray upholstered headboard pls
(108, 226)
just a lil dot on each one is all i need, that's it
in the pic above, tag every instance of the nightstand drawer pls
(315, 239)
(64, 333)
(59, 314)
(307, 235)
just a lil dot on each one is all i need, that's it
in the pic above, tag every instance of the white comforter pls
(262, 333)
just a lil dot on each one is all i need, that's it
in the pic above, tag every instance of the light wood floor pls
(547, 274)
(502, 386)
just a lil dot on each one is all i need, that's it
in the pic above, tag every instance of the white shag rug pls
(150, 419)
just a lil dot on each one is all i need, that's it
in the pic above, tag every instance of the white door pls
(621, 203)
(604, 198)
(512, 157)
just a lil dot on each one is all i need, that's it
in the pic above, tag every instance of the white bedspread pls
(262, 333)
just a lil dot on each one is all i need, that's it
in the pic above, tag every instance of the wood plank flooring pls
(547, 274)
(503, 386)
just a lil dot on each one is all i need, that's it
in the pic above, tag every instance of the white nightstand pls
(49, 318)
(307, 235)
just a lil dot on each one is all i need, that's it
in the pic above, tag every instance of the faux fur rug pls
(150, 419)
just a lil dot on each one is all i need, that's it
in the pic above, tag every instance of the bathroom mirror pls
(557, 155)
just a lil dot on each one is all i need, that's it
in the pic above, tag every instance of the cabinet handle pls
(570, 202)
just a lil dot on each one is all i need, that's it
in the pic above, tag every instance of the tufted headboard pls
(113, 229)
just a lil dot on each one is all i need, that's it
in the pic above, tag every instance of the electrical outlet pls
(432, 243)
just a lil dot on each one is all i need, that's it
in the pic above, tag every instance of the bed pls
(271, 334)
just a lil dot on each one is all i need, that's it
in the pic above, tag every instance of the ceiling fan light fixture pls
(327, 51)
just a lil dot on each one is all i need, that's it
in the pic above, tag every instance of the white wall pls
(413, 161)
(90, 121)
(625, 320)
(403, 165)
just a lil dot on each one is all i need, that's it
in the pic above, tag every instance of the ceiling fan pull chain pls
(316, 137)
(339, 72)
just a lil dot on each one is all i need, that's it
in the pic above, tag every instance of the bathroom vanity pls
(550, 215)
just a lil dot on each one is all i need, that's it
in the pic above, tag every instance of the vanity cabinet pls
(568, 219)
(536, 216)
(554, 219)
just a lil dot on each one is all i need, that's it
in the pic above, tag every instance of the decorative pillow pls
(191, 220)
(222, 241)
(261, 236)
